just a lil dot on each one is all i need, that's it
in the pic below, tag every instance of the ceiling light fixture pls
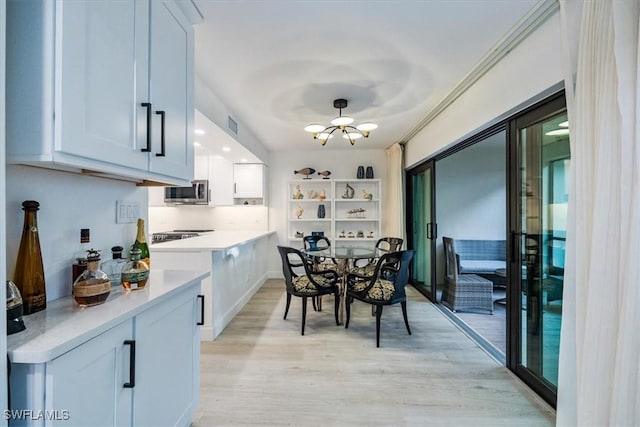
(342, 123)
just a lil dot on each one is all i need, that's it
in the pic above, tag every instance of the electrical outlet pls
(127, 212)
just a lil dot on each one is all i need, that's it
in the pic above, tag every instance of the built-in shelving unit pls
(349, 216)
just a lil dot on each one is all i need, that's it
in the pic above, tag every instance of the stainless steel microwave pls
(198, 194)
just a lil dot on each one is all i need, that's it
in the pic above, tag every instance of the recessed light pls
(226, 149)
(198, 132)
(196, 144)
(564, 124)
(243, 160)
(558, 132)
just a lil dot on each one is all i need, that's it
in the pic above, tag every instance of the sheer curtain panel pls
(599, 375)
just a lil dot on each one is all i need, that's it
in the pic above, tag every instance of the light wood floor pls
(261, 371)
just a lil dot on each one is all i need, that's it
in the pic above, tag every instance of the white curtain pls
(599, 373)
(393, 208)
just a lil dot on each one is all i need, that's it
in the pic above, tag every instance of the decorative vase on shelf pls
(321, 211)
(369, 173)
(360, 174)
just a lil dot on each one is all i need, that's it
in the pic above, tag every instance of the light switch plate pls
(127, 212)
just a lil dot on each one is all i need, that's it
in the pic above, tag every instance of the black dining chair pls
(308, 285)
(368, 266)
(384, 287)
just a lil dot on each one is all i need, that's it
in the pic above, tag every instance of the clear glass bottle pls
(114, 266)
(29, 273)
(93, 285)
(141, 243)
(136, 272)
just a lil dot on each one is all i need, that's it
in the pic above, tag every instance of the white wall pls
(3, 327)
(203, 217)
(471, 195)
(522, 76)
(68, 202)
(343, 164)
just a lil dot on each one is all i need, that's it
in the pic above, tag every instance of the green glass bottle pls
(141, 243)
(29, 274)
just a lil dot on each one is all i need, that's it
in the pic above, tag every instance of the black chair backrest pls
(399, 261)
(315, 242)
(391, 244)
(291, 258)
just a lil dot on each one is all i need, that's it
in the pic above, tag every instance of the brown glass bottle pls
(93, 285)
(29, 274)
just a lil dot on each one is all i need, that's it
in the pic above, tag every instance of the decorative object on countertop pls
(360, 234)
(360, 174)
(135, 273)
(80, 265)
(325, 174)
(342, 235)
(306, 172)
(114, 266)
(369, 174)
(321, 211)
(141, 243)
(93, 286)
(312, 194)
(349, 192)
(14, 309)
(298, 194)
(299, 211)
(322, 195)
(341, 123)
(299, 234)
(29, 272)
(367, 195)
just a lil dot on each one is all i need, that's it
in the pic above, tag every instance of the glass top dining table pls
(346, 252)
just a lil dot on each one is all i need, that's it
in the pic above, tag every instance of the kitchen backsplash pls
(217, 218)
(68, 202)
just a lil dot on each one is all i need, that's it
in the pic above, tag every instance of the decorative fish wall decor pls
(305, 171)
(325, 174)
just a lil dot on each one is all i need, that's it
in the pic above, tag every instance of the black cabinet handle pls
(235, 188)
(162, 115)
(201, 322)
(132, 364)
(147, 105)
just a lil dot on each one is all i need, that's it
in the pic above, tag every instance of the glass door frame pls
(432, 227)
(539, 112)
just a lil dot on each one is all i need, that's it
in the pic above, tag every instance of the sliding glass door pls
(540, 161)
(422, 230)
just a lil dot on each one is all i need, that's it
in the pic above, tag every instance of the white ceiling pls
(278, 65)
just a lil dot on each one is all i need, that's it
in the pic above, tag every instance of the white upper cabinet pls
(248, 181)
(90, 82)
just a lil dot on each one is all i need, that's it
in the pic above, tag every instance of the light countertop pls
(212, 241)
(64, 325)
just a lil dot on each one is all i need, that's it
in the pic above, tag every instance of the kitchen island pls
(237, 262)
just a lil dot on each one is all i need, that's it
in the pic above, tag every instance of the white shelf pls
(336, 209)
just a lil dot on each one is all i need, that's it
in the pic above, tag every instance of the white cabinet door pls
(88, 381)
(97, 69)
(221, 182)
(248, 180)
(168, 354)
(171, 91)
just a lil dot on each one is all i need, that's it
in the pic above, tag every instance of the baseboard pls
(275, 275)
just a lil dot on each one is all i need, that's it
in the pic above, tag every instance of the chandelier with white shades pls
(343, 124)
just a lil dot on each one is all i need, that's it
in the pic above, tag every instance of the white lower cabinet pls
(141, 372)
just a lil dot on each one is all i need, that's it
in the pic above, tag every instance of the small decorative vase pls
(360, 174)
(369, 172)
(321, 211)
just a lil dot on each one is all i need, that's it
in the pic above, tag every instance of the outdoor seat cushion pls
(382, 290)
(481, 266)
(303, 285)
